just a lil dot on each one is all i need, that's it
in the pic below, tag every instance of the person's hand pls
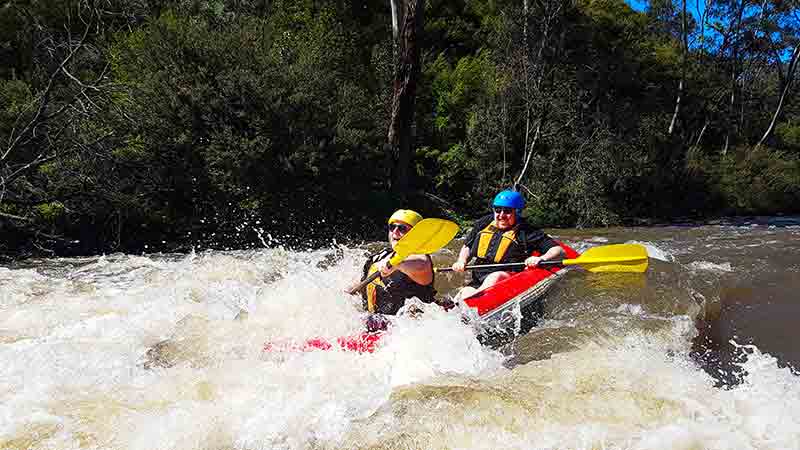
(447, 304)
(458, 266)
(385, 268)
(351, 289)
(377, 322)
(533, 261)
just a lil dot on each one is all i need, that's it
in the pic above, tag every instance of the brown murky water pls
(738, 278)
(745, 273)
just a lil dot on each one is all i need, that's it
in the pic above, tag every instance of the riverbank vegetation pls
(161, 125)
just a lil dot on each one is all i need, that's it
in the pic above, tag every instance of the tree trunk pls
(702, 132)
(397, 15)
(786, 88)
(733, 125)
(527, 77)
(731, 108)
(684, 52)
(405, 87)
(535, 69)
(702, 22)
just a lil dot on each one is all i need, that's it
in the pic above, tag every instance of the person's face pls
(505, 218)
(396, 231)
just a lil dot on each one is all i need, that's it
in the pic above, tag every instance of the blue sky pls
(637, 4)
(693, 6)
(696, 8)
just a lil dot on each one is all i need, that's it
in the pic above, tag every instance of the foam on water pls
(641, 393)
(166, 352)
(633, 310)
(655, 252)
(710, 267)
(82, 365)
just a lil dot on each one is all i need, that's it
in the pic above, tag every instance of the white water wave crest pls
(635, 394)
(710, 266)
(95, 354)
(653, 251)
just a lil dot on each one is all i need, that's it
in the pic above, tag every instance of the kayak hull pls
(517, 292)
(515, 304)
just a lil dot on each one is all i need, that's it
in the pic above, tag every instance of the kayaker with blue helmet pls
(503, 237)
(411, 278)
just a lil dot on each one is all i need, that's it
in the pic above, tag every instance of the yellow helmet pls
(406, 216)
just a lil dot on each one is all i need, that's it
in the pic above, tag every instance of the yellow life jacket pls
(372, 291)
(493, 243)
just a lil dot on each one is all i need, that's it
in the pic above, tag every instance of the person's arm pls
(464, 254)
(549, 249)
(364, 272)
(554, 253)
(418, 268)
(461, 261)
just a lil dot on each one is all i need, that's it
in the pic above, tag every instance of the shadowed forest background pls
(166, 125)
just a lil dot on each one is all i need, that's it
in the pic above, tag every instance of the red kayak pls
(361, 343)
(523, 288)
(493, 305)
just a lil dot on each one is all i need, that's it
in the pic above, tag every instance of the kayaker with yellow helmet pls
(411, 278)
(503, 237)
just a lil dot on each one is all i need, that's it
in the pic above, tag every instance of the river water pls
(166, 352)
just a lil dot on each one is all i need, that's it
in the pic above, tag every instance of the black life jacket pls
(387, 295)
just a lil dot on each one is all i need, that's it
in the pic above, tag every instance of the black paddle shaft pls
(501, 266)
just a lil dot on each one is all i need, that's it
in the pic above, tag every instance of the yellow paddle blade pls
(427, 236)
(612, 258)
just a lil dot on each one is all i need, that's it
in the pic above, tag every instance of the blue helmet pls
(509, 199)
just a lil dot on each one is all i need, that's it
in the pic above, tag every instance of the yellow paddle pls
(427, 236)
(606, 258)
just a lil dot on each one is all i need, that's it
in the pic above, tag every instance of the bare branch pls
(786, 87)
(77, 81)
(44, 98)
(13, 217)
(530, 153)
(40, 160)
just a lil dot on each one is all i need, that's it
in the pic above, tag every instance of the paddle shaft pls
(607, 258)
(500, 266)
(366, 281)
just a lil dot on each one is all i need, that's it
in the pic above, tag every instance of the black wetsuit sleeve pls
(536, 239)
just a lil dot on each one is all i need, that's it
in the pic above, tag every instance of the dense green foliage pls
(162, 125)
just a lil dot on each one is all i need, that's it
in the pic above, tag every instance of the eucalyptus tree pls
(780, 23)
(408, 17)
(56, 95)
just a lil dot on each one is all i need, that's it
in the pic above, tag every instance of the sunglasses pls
(503, 210)
(401, 227)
